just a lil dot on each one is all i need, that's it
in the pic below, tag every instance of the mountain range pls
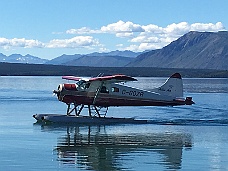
(111, 59)
(196, 50)
(18, 58)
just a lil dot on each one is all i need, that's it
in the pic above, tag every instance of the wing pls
(114, 78)
(111, 78)
(71, 78)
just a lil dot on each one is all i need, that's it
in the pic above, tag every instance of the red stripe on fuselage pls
(117, 101)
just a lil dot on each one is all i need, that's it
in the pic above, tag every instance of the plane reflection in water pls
(93, 148)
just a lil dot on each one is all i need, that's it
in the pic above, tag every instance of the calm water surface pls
(178, 138)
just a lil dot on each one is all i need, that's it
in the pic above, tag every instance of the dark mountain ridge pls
(18, 69)
(100, 61)
(106, 59)
(60, 60)
(125, 53)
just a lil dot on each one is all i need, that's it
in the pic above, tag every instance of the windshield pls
(82, 84)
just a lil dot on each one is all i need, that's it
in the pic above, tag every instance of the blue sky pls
(50, 28)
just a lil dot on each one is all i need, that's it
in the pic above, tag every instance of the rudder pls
(172, 87)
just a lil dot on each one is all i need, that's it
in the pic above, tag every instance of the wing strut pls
(97, 92)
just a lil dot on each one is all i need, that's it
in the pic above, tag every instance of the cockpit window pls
(82, 84)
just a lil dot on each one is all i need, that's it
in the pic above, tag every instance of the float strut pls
(79, 111)
(89, 111)
(75, 108)
(68, 109)
(97, 111)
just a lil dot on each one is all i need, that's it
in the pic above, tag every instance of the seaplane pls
(99, 93)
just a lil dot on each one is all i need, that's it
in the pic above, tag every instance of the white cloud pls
(207, 27)
(177, 29)
(24, 43)
(124, 34)
(75, 42)
(127, 29)
(122, 26)
(151, 28)
(147, 46)
(119, 45)
(142, 47)
(145, 39)
(83, 30)
(134, 48)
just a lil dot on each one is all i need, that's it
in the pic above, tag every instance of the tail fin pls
(172, 87)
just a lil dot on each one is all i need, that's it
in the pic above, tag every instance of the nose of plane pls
(58, 91)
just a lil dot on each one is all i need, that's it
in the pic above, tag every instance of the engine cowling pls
(69, 87)
(63, 89)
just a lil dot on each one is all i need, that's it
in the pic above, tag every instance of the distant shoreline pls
(18, 69)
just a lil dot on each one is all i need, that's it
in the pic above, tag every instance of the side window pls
(115, 89)
(104, 89)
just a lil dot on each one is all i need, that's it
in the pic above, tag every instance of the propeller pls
(57, 92)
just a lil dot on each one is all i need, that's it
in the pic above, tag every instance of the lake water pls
(178, 138)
